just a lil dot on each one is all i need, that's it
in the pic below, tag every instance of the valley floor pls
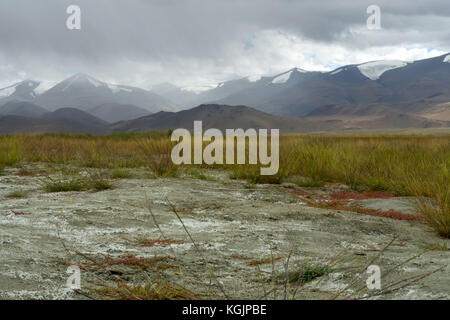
(246, 237)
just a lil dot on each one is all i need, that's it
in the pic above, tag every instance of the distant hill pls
(65, 120)
(71, 120)
(22, 108)
(222, 117)
(75, 115)
(401, 121)
(114, 112)
(24, 125)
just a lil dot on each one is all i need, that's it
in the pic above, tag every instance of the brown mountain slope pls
(224, 117)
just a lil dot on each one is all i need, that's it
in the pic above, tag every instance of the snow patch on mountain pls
(6, 92)
(82, 78)
(24, 87)
(447, 58)
(44, 86)
(116, 89)
(282, 78)
(374, 70)
(254, 78)
(95, 82)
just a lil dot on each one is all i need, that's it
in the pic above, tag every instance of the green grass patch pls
(306, 273)
(17, 194)
(96, 181)
(120, 174)
(52, 186)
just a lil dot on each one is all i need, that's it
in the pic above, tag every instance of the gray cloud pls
(143, 42)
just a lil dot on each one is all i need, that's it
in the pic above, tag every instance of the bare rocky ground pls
(235, 227)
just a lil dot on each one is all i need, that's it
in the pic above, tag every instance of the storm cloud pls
(201, 42)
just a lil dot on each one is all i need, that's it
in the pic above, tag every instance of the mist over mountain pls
(114, 112)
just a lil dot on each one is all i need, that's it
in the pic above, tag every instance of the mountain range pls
(84, 92)
(372, 95)
(299, 93)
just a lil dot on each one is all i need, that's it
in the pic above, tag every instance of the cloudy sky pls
(196, 43)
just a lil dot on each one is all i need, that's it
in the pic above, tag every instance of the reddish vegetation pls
(351, 195)
(347, 195)
(128, 259)
(378, 195)
(342, 205)
(238, 257)
(18, 213)
(264, 261)
(392, 214)
(339, 201)
(400, 244)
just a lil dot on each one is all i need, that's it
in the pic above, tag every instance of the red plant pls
(17, 213)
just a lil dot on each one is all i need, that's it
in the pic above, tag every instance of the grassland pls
(403, 165)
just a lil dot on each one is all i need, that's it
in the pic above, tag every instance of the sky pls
(199, 43)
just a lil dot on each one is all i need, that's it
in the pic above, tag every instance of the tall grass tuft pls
(157, 153)
(436, 209)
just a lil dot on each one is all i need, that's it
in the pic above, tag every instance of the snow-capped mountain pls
(229, 89)
(22, 91)
(375, 69)
(85, 92)
(297, 92)
(410, 86)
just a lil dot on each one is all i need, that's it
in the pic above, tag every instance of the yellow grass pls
(404, 165)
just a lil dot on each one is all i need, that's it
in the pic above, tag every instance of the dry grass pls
(437, 212)
(400, 165)
(130, 260)
(156, 289)
(264, 261)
